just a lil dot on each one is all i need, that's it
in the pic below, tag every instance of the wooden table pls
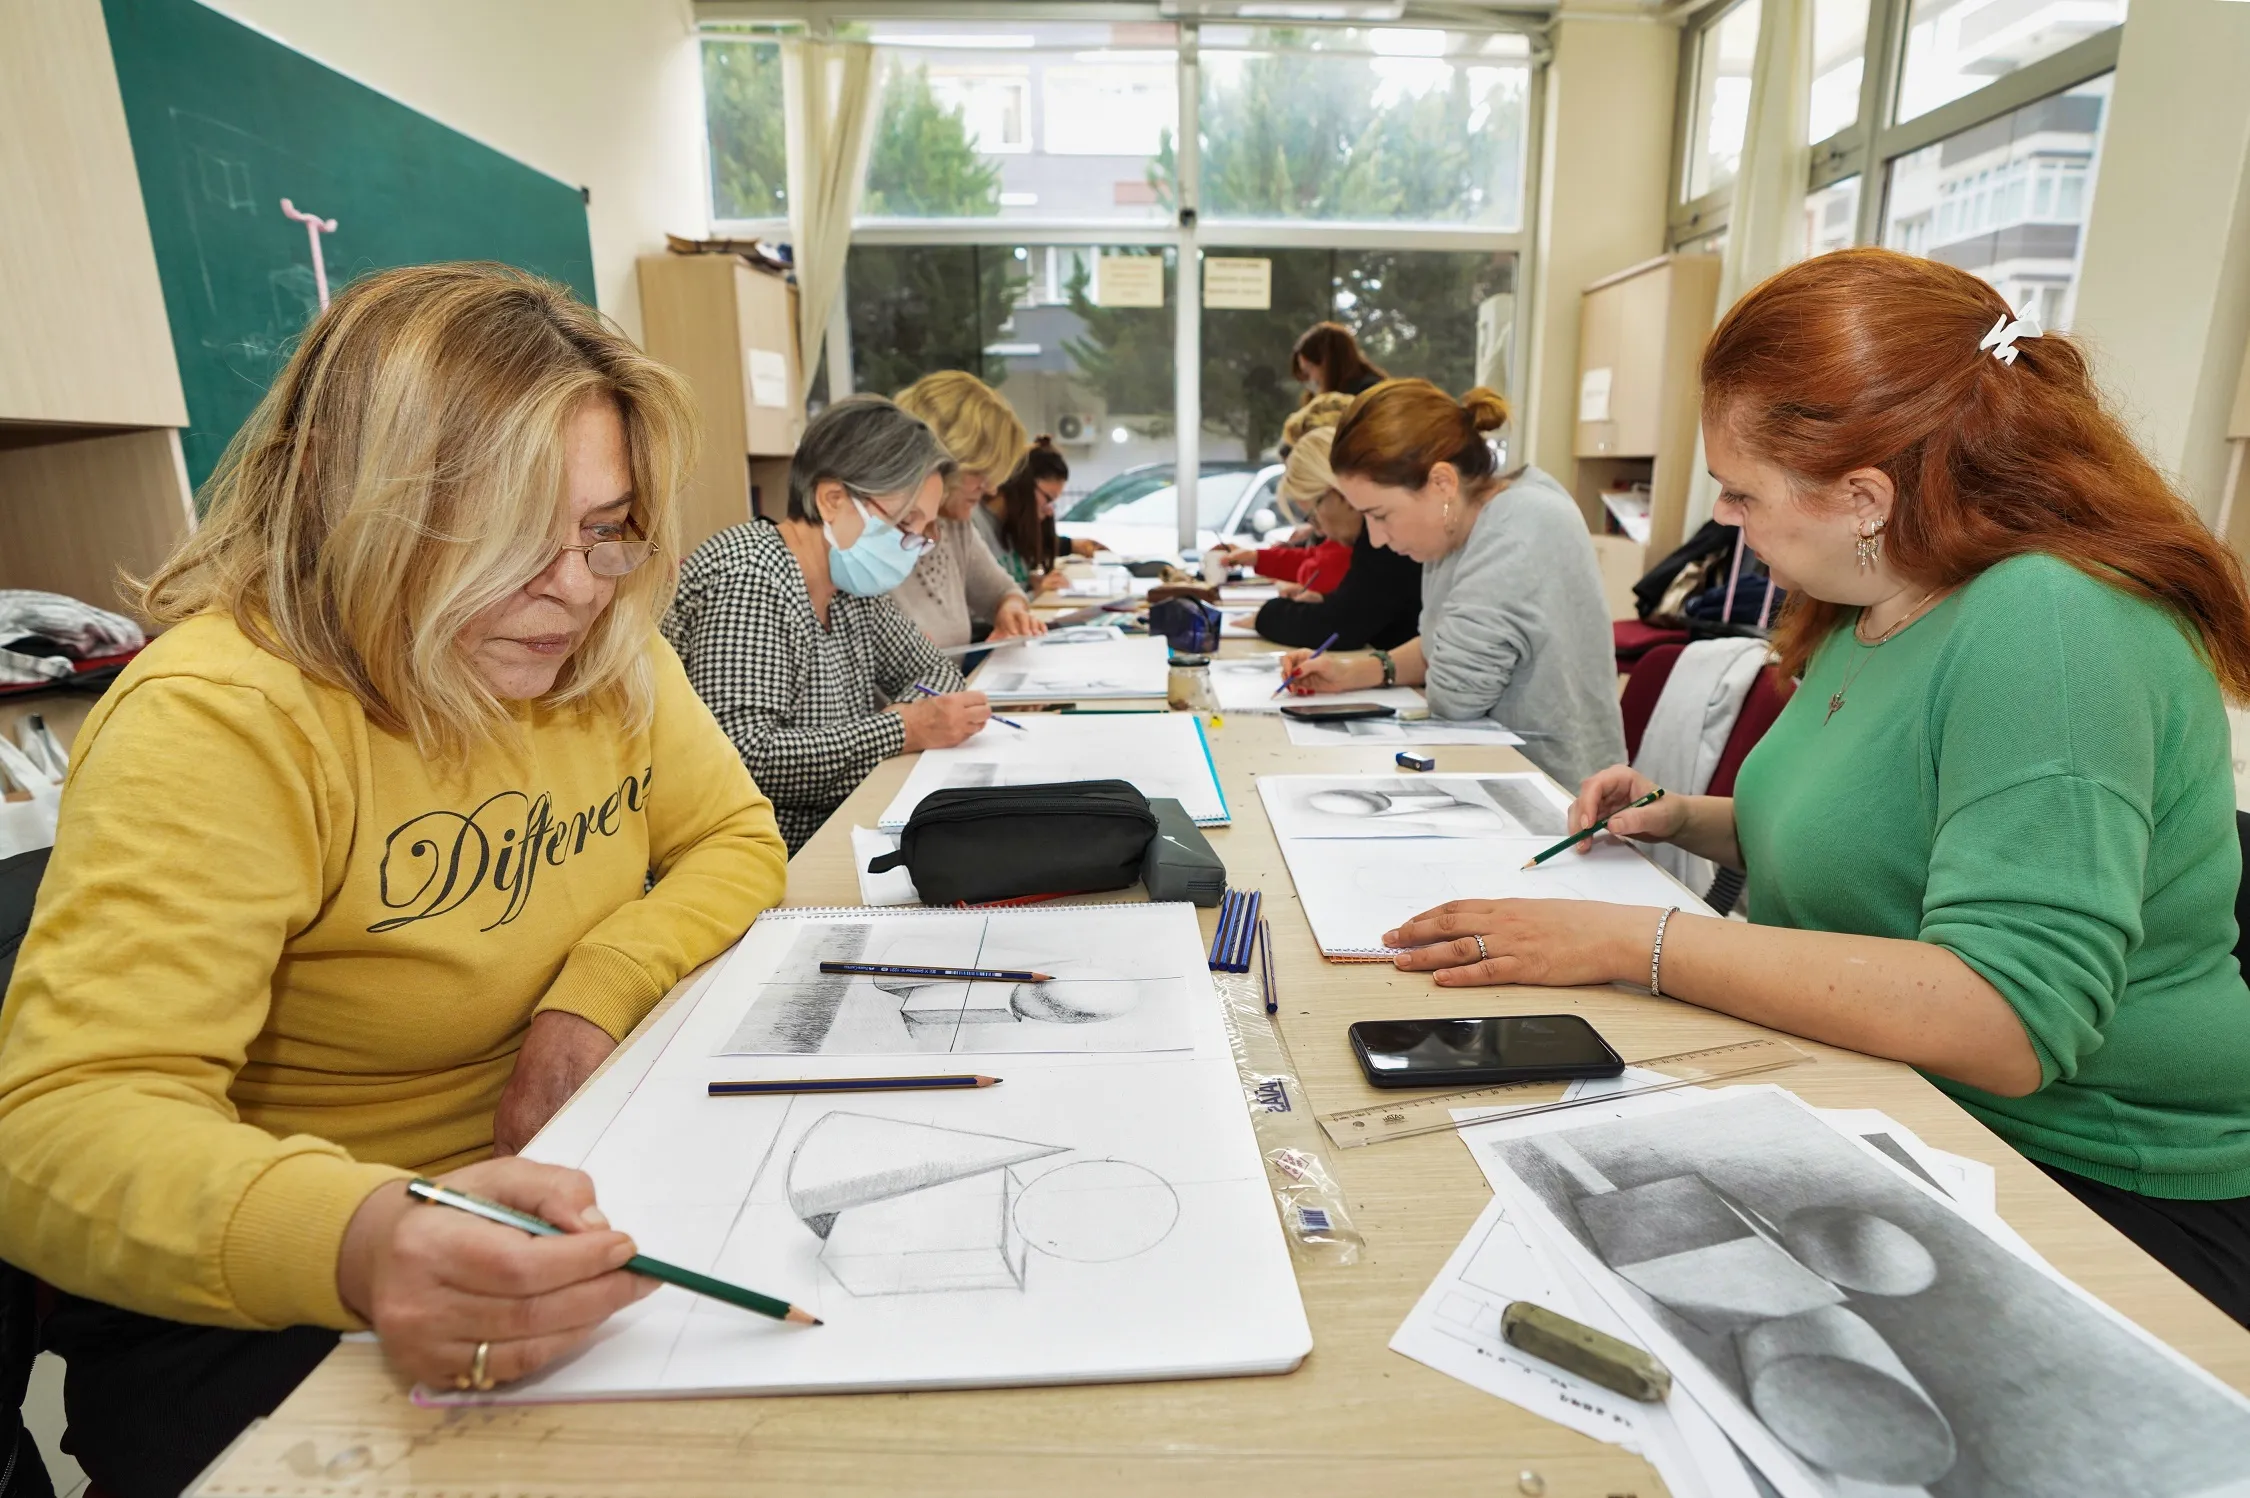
(1356, 1419)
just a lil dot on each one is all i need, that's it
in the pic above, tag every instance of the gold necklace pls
(1851, 673)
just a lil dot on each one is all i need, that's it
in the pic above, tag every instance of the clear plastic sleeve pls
(1313, 1211)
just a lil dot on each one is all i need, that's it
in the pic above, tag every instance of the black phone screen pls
(1336, 712)
(1441, 1052)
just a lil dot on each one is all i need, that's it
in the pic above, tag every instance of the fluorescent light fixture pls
(993, 41)
(1285, 10)
(1404, 41)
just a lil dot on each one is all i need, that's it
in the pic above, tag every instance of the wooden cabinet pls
(1640, 333)
(91, 480)
(731, 329)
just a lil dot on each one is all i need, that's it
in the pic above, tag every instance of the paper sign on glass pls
(1129, 281)
(1238, 283)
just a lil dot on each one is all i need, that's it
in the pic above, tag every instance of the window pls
(1415, 312)
(1831, 217)
(1387, 126)
(2007, 199)
(743, 118)
(1839, 61)
(1050, 121)
(1955, 47)
(1721, 103)
(1022, 319)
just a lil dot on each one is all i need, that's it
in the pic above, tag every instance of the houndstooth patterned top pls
(803, 704)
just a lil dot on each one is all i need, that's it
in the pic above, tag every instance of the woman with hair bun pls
(1513, 626)
(1993, 832)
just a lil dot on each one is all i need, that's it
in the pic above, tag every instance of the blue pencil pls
(1308, 660)
(1012, 723)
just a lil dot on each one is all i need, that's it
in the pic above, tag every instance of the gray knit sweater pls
(1514, 629)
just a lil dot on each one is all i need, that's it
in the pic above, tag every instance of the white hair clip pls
(2002, 339)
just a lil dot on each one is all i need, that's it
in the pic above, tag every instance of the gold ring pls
(480, 1377)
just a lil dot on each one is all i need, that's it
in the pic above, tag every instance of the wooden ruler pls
(1428, 1114)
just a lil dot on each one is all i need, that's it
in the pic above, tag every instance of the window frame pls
(1866, 148)
(1188, 235)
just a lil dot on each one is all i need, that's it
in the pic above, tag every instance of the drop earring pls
(1869, 547)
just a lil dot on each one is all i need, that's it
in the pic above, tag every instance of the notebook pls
(1165, 755)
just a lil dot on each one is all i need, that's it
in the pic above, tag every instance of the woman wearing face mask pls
(958, 589)
(1993, 831)
(789, 632)
(1378, 599)
(1017, 520)
(353, 877)
(1513, 625)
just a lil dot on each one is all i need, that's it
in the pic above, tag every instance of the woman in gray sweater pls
(1513, 623)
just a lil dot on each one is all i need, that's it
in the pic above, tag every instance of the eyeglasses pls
(612, 558)
(913, 543)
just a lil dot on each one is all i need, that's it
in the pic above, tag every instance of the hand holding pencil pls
(1623, 803)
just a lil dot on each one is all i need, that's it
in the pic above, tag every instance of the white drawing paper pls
(1847, 1324)
(1094, 1218)
(1524, 806)
(1455, 1328)
(1354, 890)
(1403, 733)
(1163, 754)
(1247, 684)
(1102, 580)
(1040, 672)
(1061, 634)
(1113, 985)
(1238, 624)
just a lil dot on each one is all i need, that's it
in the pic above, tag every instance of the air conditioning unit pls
(1077, 429)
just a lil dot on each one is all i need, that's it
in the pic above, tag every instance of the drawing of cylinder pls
(1830, 1388)
(1690, 1246)
(1859, 1251)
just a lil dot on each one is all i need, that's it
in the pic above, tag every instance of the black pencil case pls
(998, 843)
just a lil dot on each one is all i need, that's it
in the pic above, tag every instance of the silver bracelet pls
(1656, 955)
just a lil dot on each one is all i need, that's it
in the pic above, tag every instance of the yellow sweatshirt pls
(280, 958)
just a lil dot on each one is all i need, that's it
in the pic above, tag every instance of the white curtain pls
(829, 98)
(1766, 225)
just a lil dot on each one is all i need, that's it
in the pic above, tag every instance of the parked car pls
(1136, 513)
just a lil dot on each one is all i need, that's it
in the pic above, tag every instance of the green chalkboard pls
(226, 122)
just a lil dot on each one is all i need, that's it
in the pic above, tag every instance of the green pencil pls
(655, 1269)
(1576, 838)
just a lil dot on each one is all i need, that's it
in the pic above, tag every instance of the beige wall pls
(601, 93)
(2164, 293)
(1606, 144)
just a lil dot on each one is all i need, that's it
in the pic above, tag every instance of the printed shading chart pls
(907, 1208)
(1113, 985)
(1851, 1331)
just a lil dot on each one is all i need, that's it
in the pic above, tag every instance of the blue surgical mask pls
(874, 564)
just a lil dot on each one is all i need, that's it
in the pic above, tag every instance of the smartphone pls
(1479, 1052)
(1335, 712)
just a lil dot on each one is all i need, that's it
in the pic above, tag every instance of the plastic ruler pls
(1427, 1115)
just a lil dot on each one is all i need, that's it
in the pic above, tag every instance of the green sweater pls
(2036, 776)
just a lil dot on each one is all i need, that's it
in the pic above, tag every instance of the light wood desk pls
(1356, 1420)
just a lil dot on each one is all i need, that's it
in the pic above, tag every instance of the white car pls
(1136, 513)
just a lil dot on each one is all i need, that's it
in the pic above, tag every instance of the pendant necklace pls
(1851, 674)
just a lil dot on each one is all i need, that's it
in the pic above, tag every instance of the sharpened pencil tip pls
(803, 1317)
(1531, 863)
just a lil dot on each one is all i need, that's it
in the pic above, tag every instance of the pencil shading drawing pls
(1105, 990)
(1848, 1327)
(1394, 806)
(906, 1208)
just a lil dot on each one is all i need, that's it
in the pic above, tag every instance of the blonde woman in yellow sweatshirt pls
(363, 866)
